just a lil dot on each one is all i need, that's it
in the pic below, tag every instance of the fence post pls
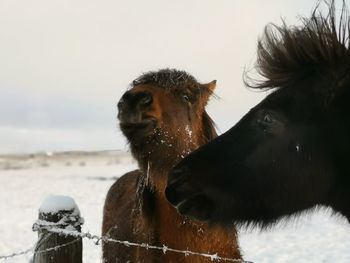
(58, 212)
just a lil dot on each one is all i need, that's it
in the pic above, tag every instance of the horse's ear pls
(211, 86)
(208, 90)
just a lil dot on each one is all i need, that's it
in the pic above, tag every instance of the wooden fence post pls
(58, 212)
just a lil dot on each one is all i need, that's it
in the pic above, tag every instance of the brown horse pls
(163, 117)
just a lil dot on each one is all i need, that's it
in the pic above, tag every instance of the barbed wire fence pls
(65, 227)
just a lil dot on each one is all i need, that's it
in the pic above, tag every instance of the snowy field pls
(26, 181)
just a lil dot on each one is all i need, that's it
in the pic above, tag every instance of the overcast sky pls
(64, 64)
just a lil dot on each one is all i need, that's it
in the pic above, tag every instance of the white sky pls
(64, 64)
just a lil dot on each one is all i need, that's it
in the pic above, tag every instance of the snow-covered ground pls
(27, 180)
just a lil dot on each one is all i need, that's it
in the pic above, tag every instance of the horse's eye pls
(267, 119)
(186, 98)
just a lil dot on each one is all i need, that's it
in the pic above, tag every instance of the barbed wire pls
(16, 254)
(35, 252)
(97, 239)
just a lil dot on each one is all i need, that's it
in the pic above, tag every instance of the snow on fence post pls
(55, 213)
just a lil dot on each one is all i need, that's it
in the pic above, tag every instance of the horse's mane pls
(209, 131)
(320, 46)
(172, 79)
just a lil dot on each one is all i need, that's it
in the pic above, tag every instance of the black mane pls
(319, 47)
(167, 79)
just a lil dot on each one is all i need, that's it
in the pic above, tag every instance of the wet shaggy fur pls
(168, 79)
(290, 152)
(163, 117)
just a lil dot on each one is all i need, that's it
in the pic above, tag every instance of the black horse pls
(291, 152)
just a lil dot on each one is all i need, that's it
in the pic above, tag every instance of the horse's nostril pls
(132, 100)
(177, 175)
(179, 171)
(170, 194)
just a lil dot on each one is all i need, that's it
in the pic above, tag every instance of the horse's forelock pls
(167, 79)
(320, 45)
